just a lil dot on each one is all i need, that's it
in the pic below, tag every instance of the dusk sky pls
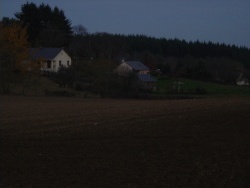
(223, 21)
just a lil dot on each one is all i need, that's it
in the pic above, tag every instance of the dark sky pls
(223, 21)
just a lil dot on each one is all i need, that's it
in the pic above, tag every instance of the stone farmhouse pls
(140, 70)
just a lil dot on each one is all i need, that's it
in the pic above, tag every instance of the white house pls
(50, 59)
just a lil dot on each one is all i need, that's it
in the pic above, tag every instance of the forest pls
(95, 54)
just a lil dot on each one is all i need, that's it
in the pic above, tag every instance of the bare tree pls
(80, 30)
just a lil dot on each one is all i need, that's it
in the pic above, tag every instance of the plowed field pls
(73, 142)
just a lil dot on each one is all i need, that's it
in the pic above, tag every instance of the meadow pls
(75, 142)
(196, 87)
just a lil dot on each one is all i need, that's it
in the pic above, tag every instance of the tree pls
(13, 53)
(80, 30)
(14, 47)
(79, 45)
(8, 21)
(46, 27)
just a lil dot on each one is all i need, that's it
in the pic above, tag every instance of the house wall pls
(123, 69)
(242, 83)
(62, 59)
(144, 72)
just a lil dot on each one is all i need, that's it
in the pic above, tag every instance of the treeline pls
(205, 61)
(104, 45)
(43, 26)
(49, 27)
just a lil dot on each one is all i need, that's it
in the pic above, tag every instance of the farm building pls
(50, 59)
(142, 72)
(127, 67)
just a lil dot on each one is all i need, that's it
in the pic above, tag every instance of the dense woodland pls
(95, 54)
(198, 60)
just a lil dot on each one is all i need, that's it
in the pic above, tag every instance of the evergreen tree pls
(8, 21)
(46, 27)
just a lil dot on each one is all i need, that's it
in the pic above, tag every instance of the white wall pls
(242, 83)
(62, 57)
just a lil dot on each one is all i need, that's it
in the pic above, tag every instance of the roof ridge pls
(46, 53)
(137, 65)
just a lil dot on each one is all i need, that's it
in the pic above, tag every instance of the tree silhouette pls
(46, 27)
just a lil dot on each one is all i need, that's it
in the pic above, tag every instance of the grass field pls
(74, 142)
(189, 86)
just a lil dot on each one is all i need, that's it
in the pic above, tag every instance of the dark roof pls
(137, 65)
(46, 53)
(146, 78)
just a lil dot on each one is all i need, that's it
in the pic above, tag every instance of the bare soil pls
(73, 142)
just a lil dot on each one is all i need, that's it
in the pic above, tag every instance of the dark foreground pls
(68, 142)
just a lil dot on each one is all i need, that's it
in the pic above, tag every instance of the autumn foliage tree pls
(14, 47)
(13, 53)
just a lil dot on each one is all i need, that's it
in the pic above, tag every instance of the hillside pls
(197, 60)
(206, 61)
(95, 56)
(37, 85)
